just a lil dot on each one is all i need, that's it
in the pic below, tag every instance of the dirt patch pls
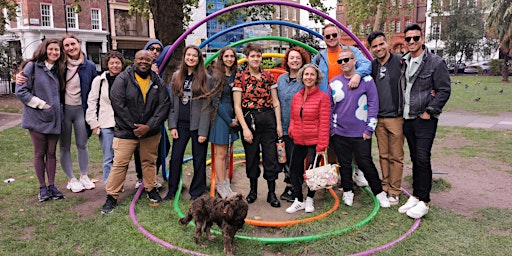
(9, 103)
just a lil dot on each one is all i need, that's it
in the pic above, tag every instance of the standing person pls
(426, 84)
(354, 117)
(156, 48)
(42, 111)
(140, 104)
(258, 111)
(386, 71)
(309, 129)
(326, 60)
(79, 75)
(100, 114)
(189, 118)
(287, 86)
(223, 131)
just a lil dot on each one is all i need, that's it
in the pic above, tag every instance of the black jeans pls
(345, 147)
(265, 136)
(199, 150)
(420, 134)
(297, 169)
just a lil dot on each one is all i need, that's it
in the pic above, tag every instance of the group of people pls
(335, 101)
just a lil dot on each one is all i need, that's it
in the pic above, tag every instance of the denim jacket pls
(432, 75)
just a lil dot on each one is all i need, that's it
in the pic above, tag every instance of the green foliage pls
(464, 29)
(268, 63)
(308, 39)
(10, 6)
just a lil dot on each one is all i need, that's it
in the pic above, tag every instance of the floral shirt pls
(255, 92)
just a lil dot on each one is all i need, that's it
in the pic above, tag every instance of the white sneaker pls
(418, 211)
(296, 206)
(86, 182)
(411, 202)
(359, 178)
(383, 199)
(75, 186)
(310, 207)
(348, 198)
(138, 183)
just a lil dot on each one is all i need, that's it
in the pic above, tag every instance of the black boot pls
(271, 197)
(253, 194)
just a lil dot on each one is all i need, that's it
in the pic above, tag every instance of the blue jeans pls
(420, 134)
(106, 137)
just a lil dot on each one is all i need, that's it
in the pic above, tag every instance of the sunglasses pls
(346, 60)
(158, 49)
(334, 35)
(382, 73)
(415, 38)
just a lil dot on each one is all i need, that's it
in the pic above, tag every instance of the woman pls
(309, 129)
(42, 112)
(79, 75)
(287, 86)
(189, 118)
(223, 132)
(258, 111)
(100, 115)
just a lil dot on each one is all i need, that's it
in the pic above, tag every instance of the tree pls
(499, 24)
(463, 30)
(308, 39)
(10, 6)
(362, 11)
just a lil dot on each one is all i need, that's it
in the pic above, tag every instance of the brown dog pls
(229, 214)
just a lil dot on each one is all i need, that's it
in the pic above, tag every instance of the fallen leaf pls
(344, 213)
(154, 204)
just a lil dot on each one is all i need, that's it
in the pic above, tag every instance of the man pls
(386, 71)
(354, 117)
(141, 104)
(326, 61)
(155, 47)
(426, 84)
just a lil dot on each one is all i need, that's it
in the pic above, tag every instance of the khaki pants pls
(390, 139)
(123, 151)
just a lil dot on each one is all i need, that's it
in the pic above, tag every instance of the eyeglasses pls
(346, 60)
(158, 49)
(415, 38)
(333, 35)
(382, 72)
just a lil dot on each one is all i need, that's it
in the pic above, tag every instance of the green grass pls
(54, 227)
(491, 100)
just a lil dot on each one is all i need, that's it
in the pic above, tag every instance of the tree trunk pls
(377, 25)
(504, 70)
(168, 17)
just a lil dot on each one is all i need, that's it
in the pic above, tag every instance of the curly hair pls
(113, 54)
(306, 57)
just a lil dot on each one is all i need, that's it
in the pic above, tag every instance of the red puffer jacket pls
(309, 119)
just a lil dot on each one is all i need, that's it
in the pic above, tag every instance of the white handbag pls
(324, 176)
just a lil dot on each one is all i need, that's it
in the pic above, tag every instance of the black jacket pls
(432, 74)
(129, 107)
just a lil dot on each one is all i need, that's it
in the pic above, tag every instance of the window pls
(71, 17)
(435, 31)
(294, 14)
(286, 14)
(409, 1)
(286, 33)
(407, 22)
(391, 26)
(393, 2)
(95, 19)
(278, 30)
(46, 15)
(278, 13)
(398, 27)
(132, 25)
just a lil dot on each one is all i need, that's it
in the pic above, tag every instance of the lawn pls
(56, 228)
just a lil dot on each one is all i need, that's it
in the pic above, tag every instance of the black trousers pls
(297, 169)
(199, 150)
(345, 147)
(264, 136)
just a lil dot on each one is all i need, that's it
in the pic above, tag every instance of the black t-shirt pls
(184, 113)
(387, 80)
